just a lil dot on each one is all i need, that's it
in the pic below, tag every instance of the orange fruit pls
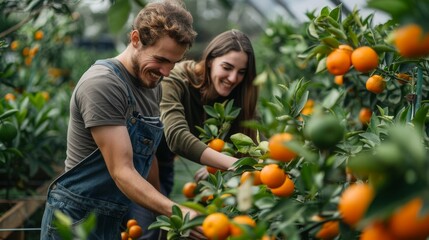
(365, 115)
(375, 84)
(28, 61)
(135, 231)
(207, 198)
(339, 79)
(411, 41)
(33, 51)
(376, 231)
(124, 236)
(338, 62)
(256, 175)
(329, 230)
(309, 103)
(272, 176)
(217, 144)
(26, 51)
(216, 226)
(408, 223)
(347, 48)
(132, 222)
(212, 170)
(45, 95)
(38, 35)
(307, 111)
(9, 97)
(364, 59)
(14, 45)
(277, 150)
(188, 189)
(267, 237)
(235, 228)
(354, 202)
(403, 78)
(285, 190)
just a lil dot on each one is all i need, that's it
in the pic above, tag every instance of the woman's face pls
(227, 71)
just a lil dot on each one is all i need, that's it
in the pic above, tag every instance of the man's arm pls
(115, 146)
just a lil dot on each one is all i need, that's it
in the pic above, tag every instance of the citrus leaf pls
(118, 15)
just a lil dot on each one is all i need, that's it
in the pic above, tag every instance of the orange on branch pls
(240, 220)
(365, 115)
(354, 202)
(411, 41)
(338, 62)
(408, 222)
(277, 150)
(364, 59)
(216, 226)
(188, 189)
(217, 144)
(255, 175)
(273, 176)
(135, 231)
(375, 84)
(329, 230)
(286, 189)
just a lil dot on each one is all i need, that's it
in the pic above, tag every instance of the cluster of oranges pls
(27, 52)
(364, 59)
(404, 223)
(133, 230)
(218, 226)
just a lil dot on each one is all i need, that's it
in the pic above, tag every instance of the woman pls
(226, 71)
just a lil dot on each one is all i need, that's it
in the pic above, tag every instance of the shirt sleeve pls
(175, 98)
(102, 99)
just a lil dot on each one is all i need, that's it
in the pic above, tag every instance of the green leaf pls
(311, 31)
(245, 161)
(177, 211)
(195, 206)
(194, 222)
(395, 8)
(332, 98)
(118, 15)
(324, 11)
(176, 221)
(87, 226)
(335, 15)
(337, 33)
(211, 111)
(8, 113)
(419, 119)
(330, 41)
(220, 110)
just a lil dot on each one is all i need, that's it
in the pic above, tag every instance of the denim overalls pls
(88, 186)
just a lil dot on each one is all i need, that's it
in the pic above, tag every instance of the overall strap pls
(109, 64)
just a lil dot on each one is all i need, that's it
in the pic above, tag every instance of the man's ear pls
(135, 38)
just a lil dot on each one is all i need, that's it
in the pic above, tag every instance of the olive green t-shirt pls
(181, 111)
(100, 98)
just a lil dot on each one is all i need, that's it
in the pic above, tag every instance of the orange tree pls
(335, 151)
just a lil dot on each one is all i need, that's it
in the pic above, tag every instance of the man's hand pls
(197, 232)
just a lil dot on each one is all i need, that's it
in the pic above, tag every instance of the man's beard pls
(138, 81)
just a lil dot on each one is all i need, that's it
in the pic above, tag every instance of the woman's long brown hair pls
(245, 95)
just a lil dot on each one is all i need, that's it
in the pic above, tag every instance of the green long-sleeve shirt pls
(181, 111)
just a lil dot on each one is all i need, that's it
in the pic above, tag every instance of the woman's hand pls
(201, 174)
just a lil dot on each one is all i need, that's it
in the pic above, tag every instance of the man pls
(114, 126)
